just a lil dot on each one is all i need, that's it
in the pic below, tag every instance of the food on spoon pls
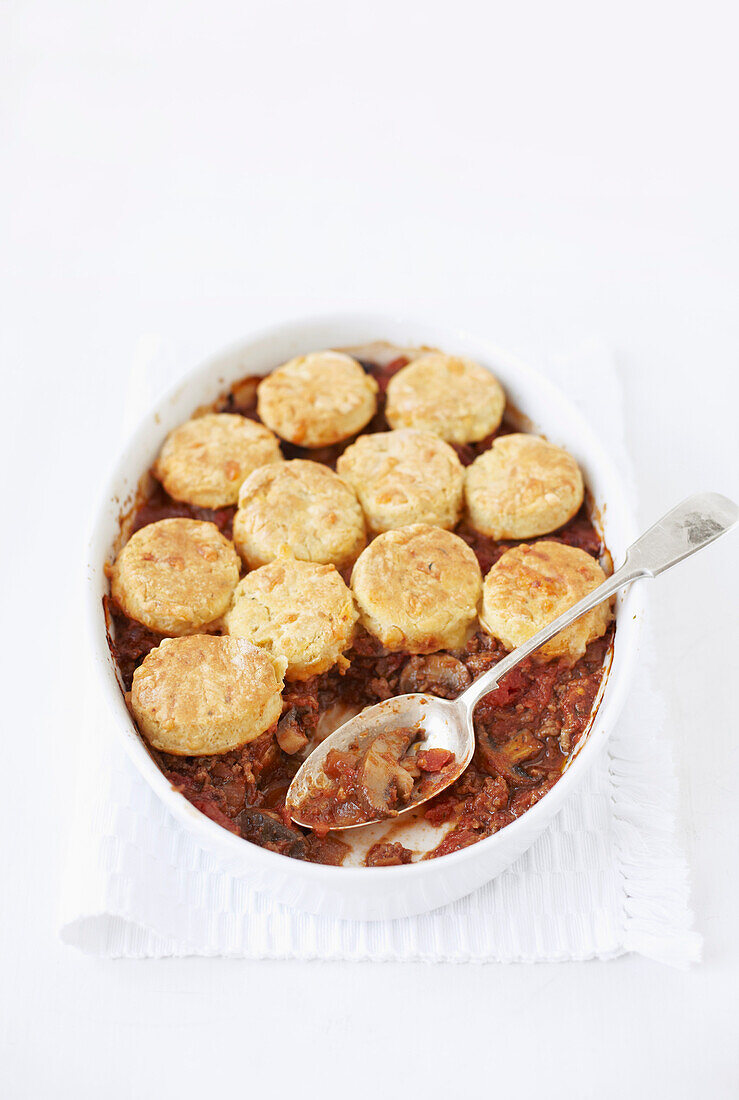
(383, 781)
(375, 782)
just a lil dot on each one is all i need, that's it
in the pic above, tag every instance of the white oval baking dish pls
(357, 892)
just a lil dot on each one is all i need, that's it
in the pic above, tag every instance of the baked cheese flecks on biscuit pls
(202, 695)
(522, 487)
(298, 507)
(418, 589)
(319, 399)
(206, 460)
(529, 586)
(404, 477)
(455, 398)
(299, 610)
(175, 576)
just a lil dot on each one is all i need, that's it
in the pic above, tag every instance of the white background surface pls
(537, 172)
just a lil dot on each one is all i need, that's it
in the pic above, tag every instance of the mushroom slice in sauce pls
(439, 673)
(383, 780)
(289, 733)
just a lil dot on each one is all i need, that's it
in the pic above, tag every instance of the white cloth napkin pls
(606, 878)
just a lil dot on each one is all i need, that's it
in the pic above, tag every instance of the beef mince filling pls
(525, 729)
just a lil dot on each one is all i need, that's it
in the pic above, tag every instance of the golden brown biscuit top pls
(403, 477)
(205, 460)
(522, 487)
(175, 575)
(530, 585)
(418, 587)
(549, 570)
(206, 694)
(453, 397)
(301, 507)
(298, 609)
(319, 399)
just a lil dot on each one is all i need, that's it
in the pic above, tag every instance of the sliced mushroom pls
(506, 758)
(438, 673)
(289, 733)
(384, 782)
(522, 746)
(267, 829)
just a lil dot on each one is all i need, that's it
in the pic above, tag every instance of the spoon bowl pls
(446, 725)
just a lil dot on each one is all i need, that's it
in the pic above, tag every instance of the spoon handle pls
(682, 531)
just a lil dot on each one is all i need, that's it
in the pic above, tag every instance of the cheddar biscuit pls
(316, 400)
(300, 507)
(418, 589)
(175, 576)
(404, 477)
(529, 586)
(455, 398)
(201, 695)
(522, 487)
(205, 461)
(298, 610)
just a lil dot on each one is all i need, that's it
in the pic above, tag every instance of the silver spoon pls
(689, 527)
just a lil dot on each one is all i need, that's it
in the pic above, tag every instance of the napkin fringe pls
(656, 878)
